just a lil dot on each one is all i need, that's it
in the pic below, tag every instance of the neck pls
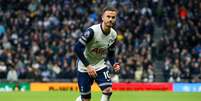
(105, 28)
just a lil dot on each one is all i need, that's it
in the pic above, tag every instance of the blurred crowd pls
(181, 44)
(37, 38)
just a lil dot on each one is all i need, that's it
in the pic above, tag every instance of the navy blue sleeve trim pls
(87, 36)
(91, 35)
(111, 54)
(79, 50)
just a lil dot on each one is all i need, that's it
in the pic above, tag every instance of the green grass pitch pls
(117, 96)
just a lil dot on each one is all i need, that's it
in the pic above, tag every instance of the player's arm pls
(80, 46)
(111, 54)
(111, 57)
(85, 38)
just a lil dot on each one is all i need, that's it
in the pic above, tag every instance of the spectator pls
(12, 75)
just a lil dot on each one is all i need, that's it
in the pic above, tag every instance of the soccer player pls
(95, 47)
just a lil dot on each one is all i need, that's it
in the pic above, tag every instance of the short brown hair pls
(109, 8)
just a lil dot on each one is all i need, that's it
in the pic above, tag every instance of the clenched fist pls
(116, 67)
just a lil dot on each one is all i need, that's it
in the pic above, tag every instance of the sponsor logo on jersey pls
(100, 51)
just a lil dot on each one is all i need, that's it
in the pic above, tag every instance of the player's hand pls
(116, 67)
(91, 71)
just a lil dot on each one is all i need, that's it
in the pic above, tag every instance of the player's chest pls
(103, 42)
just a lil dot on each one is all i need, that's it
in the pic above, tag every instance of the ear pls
(102, 17)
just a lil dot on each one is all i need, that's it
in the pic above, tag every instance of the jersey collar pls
(105, 33)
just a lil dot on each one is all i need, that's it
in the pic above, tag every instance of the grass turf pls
(117, 96)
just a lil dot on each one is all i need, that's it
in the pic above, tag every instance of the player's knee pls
(107, 90)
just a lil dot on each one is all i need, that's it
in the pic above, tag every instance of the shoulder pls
(113, 32)
(88, 33)
(95, 27)
(87, 36)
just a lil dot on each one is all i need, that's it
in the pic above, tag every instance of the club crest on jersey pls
(113, 37)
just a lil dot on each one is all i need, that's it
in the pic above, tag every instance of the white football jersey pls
(96, 49)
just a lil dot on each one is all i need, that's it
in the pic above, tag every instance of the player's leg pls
(107, 92)
(78, 98)
(104, 81)
(84, 83)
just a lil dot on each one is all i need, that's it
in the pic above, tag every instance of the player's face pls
(109, 18)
